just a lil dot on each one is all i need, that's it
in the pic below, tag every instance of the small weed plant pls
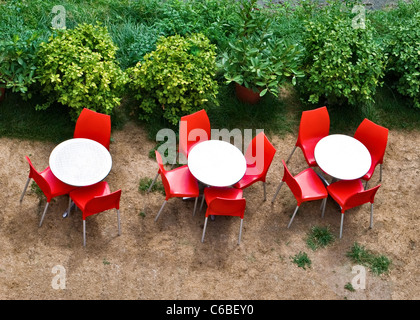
(145, 184)
(377, 263)
(302, 260)
(319, 237)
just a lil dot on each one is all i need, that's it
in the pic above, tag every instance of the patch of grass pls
(348, 286)
(319, 237)
(37, 190)
(377, 263)
(146, 182)
(302, 260)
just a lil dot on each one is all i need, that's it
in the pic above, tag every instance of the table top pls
(216, 163)
(80, 162)
(342, 157)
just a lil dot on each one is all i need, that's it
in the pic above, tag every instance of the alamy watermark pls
(59, 280)
(359, 21)
(359, 280)
(59, 20)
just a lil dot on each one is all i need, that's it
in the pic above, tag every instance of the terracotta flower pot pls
(247, 95)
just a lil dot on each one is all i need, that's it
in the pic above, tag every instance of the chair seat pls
(82, 195)
(222, 192)
(340, 191)
(308, 148)
(311, 185)
(246, 181)
(182, 183)
(57, 187)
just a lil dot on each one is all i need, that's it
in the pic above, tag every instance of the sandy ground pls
(166, 259)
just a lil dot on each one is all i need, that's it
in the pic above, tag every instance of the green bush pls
(257, 59)
(177, 78)
(404, 49)
(77, 68)
(343, 63)
(17, 63)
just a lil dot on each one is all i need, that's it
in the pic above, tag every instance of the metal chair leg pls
(153, 182)
(204, 229)
(265, 192)
(277, 191)
(294, 213)
(202, 202)
(84, 233)
(240, 231)
(287, 161)
(24, 190)
(380, 172)
(45, 210)
(69, 208)
(195, 205)
(371, 216)
(341, 225)
(157, 216)
(119, 222)
(324, 203)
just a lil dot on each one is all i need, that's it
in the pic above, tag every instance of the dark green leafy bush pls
(175, 79)
(77, 68)
(257, 59)
(343, 64)
(17, 63)
(404, 48)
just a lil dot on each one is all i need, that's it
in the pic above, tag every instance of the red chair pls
(95, 199)
(50, 185)
(224, 201)
(305, 186)
(178, 182)
(258, 162)
(193, 128)
(95, 126)
(375, 138)
(314, 125)
(351, 193)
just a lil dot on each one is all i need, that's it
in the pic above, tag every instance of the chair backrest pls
(102, 203)
(374, 137)
(39, 179)
(95, 126)
(162, 172)
(291, 182)
(192, 129)
(227, 207)
(313, 124)
(360, 198)
(259, 161)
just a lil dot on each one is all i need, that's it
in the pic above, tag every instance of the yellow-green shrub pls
(77, 68)
(177, 78)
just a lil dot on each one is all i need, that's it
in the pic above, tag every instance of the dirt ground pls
(166, 259)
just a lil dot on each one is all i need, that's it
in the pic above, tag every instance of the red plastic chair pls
(258, 162)
(95, 199)
(50, 185)
(314, 125)
(95, 126)
(226, 202)
(178, 182)
(193, 128)
(351, 193)
(305, 186)
(375, 138)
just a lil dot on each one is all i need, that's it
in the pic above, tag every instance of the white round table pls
(80, 162)
(216, 163)
(342, 157)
